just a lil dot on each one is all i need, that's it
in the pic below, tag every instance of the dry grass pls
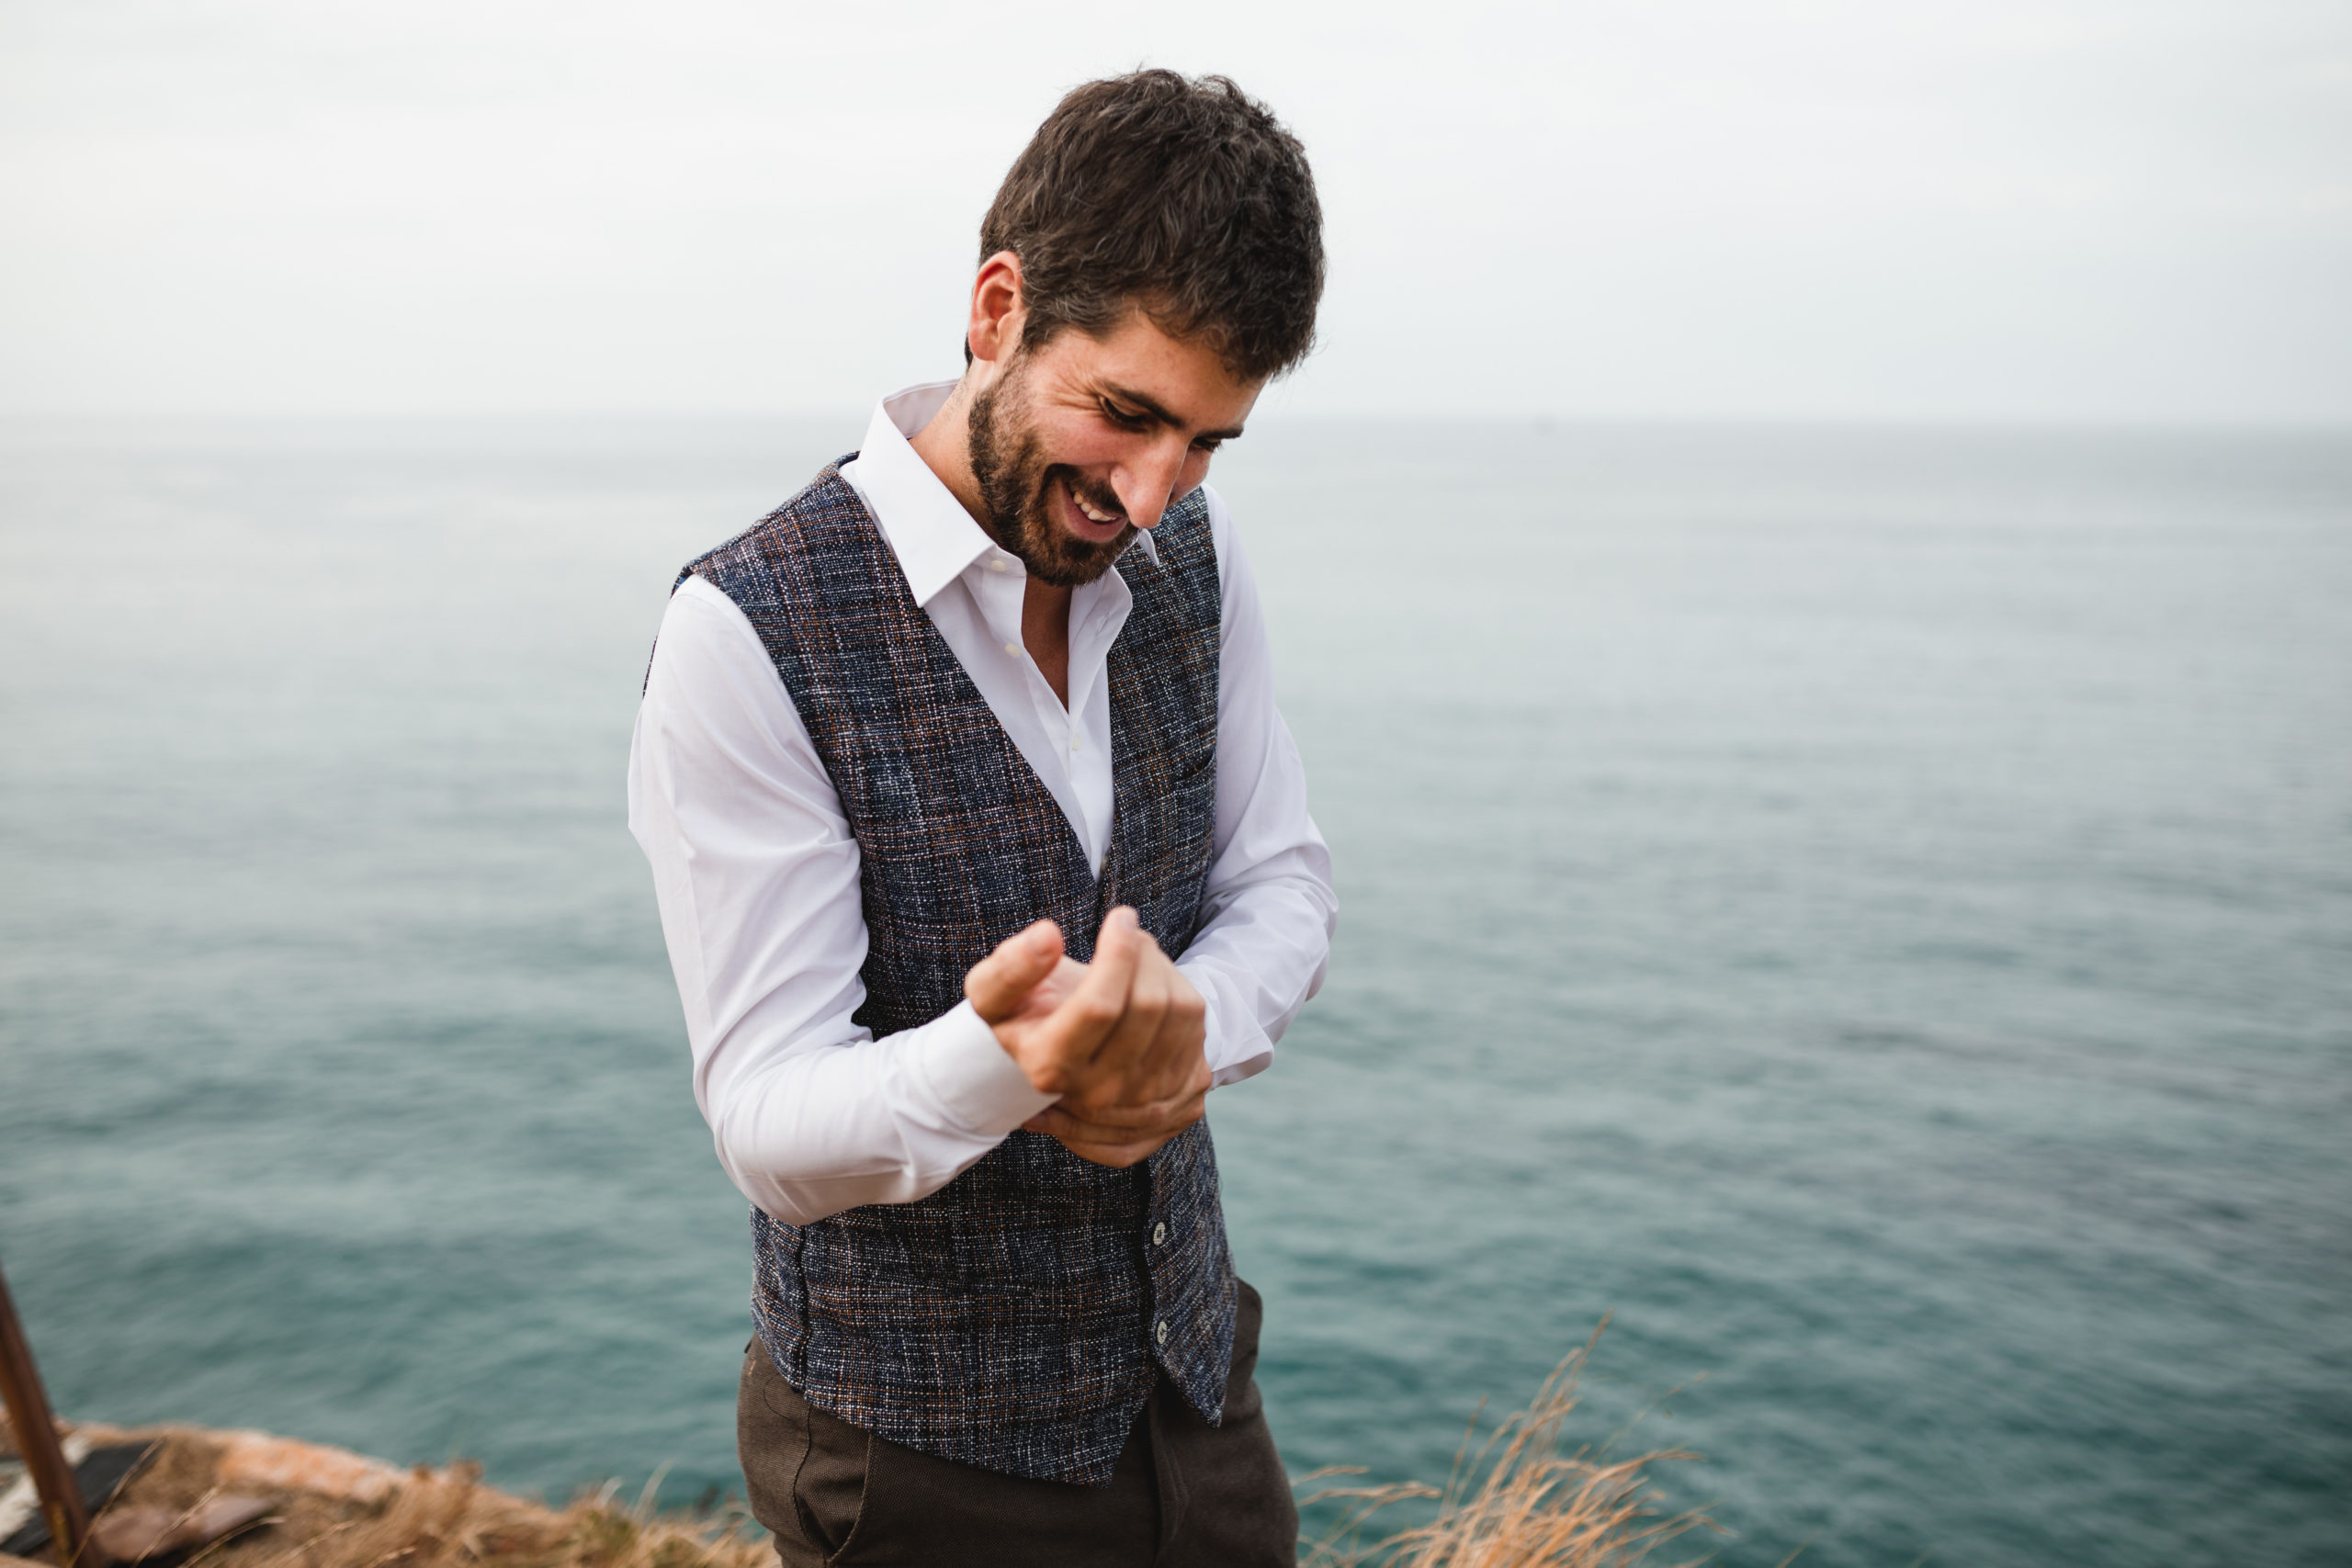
(443, 1519)
(1518, 1502)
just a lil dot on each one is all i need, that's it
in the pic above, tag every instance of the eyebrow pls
(1152, 410)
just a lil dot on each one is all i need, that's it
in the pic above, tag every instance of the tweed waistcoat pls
(1012, 1319)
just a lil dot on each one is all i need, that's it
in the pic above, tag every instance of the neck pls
(946, 447)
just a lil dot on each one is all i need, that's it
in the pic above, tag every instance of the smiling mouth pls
(1088, 520)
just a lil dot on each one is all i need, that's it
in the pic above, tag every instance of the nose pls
(1145, 482)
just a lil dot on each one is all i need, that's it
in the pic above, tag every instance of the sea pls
(1862, 913)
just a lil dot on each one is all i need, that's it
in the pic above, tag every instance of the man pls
(983, 855)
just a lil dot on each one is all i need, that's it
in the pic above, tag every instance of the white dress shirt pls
(757, 873)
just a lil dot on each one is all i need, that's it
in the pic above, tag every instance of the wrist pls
(980, 1083)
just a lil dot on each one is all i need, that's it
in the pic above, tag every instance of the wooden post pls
(36, 1429)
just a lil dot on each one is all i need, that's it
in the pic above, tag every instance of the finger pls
(1120, 1095)
(1117, 1124)
(1122, 1156)
(1128, 1045)
(1149, 1057)
(1082, 1023)
(1060, 1121)
(1120, 1147)
(998, 984)
(1119, 1155)
(1167, 1063)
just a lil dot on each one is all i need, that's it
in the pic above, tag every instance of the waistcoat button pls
(1159, 1236)
(1163, 1331)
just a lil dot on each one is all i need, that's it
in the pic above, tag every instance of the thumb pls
(998, 984)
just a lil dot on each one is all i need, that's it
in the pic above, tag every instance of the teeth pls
(1090, 513)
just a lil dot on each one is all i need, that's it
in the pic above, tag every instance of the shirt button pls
(996, 565)
(1163, 1331)
(1160, 1235)
(1013, 648)
(1073, 742)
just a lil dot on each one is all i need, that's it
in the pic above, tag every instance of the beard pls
(1016, 485)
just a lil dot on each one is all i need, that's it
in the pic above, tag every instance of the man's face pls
(1083, 442)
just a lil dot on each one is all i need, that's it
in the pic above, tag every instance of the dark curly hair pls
(1184, 199)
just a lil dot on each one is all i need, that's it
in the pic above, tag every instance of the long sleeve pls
(757, 879)
(1269, 910)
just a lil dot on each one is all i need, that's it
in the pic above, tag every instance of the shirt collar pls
(928, 529)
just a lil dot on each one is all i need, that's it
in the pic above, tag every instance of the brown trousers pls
(1184, 1494)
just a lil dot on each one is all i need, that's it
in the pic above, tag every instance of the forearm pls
(756, 875)
(806, 1133)
(1268, 910)
(1258, 960)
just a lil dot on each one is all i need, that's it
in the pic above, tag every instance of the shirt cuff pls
(973, 1078)
(1236, 1047)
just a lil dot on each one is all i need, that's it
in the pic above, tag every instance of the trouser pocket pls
(804, 1471)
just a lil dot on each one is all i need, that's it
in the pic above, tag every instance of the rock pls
(129, 1532)
(257, 1460)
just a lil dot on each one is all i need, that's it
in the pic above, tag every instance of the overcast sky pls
(1996, 210)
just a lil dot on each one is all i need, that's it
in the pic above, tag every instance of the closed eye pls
(1122, 417)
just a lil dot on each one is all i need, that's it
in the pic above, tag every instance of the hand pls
(1120, 1040)
(1021, 985)
(1153, 1081)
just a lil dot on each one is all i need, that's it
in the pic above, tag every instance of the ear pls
(998, 314)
